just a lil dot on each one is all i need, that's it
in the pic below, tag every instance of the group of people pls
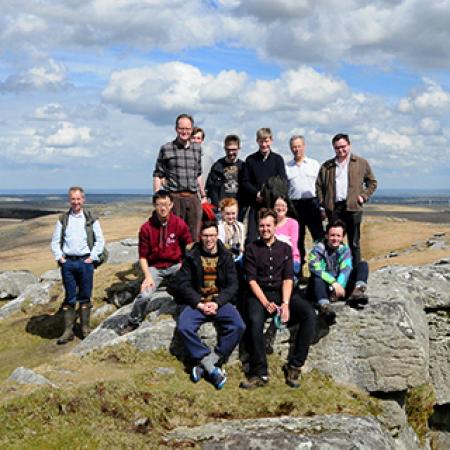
(222, 271)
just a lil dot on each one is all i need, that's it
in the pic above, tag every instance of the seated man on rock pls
(269, 271)
(333, 276)
(162, 241)
(206, 287)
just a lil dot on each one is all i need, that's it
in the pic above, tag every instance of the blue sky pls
(90, 88)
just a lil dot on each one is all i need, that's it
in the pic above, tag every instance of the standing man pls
(206, 287)
(258, 168)
(343, 185)
(224, 176)
(162, 242)
(179, 166)
(77, 243)
(269, 272)
(302, 173)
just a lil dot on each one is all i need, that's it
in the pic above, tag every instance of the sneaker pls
(327, 313)
(197, 373)
(128, 328)
(358, 297)
(218, 378)
(292, 375)
(254, 382)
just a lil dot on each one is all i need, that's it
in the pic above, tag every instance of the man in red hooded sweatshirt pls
(162, 241)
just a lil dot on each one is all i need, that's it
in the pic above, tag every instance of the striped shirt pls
(180, 165)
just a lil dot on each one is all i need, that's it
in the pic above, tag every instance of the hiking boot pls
(292, 375)
(128, 328)
(358, 297)
(197, 373)
(254, 382)
(70, 315)
(85, 316)
(218, 378)
(327, 313)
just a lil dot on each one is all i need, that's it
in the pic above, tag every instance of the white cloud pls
(49, 75)
(431, 99)
(50, 111)
(67, 135)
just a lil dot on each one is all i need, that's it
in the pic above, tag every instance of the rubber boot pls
(85, 315)
(69, 320)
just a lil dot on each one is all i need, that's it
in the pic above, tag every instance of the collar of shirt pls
(80, 214)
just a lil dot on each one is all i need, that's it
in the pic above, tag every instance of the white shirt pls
(302, 178)
(75, 239)
(341, 180)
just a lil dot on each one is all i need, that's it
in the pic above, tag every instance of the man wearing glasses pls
(343, 185)
(206, 288)
(178, 169)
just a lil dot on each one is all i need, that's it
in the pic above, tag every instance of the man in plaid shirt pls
(178, 169)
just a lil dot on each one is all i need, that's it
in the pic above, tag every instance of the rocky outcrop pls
(14, 282)
(123, 251)
(34, 294)
(322, 432)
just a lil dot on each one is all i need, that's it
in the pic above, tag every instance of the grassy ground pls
(102, 396)
(114, 388)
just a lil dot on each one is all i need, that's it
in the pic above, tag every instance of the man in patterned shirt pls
(179, 168)
(334, 276)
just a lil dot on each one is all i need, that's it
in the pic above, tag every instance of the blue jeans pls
(231, 328)
(320, 290)
(78, 279)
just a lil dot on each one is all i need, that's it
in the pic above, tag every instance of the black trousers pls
(352, 222)
(301, 311)
(308, 215)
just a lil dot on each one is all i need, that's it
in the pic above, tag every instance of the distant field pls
(26, 244)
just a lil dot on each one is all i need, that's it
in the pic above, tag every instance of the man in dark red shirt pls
(162, 240)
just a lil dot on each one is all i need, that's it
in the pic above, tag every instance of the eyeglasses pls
(341, 147)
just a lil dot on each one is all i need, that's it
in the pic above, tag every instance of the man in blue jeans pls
(333, 274)
(206, 288)
(75, 254)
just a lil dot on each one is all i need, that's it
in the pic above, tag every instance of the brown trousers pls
(190, 210)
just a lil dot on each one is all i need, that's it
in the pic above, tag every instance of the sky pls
(90, 89)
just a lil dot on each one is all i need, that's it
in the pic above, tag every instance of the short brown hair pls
(267, 212)
(196, 130)
(232, 139)
(184, 116)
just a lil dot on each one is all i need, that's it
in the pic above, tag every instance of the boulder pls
(14, 282)
(51, 275)
(34, 294)
(383, 347)
(321, 432)
(23, 375)
(122, 252)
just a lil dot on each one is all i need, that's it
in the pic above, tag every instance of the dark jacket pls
(256, 172)
(216, 183)
(185, 286)
(361, 181)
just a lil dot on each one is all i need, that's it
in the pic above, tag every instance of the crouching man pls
(162, 242)
(77, 243)
(269, 270)
(333, 276)
(206, 287)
